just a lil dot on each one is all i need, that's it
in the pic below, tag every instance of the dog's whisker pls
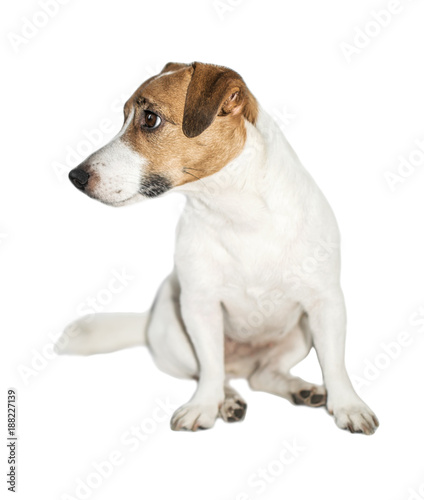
(189, 173)
(192, 168)
(195, 176)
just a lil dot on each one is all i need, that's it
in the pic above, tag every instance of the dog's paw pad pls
(318, 399)
(315, 396)
(233, 410)
(194, 417)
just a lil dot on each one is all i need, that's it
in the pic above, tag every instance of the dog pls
(256, 282)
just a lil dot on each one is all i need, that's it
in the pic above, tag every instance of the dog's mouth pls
(90, 183)
(117, 203)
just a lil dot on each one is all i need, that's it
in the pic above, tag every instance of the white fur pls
(258, 231)
(120, 170)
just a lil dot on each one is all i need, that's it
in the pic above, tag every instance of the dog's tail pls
(104, 332)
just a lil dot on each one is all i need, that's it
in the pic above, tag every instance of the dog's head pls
(183, 124)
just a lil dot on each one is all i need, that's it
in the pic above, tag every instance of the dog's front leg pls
(327, 321)
(204, 325)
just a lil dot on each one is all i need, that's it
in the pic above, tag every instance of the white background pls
(349, 122)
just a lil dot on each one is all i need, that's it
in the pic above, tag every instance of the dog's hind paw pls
(233, 409)
(314, 396)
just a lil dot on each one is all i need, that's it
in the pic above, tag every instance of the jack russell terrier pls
(257, 261)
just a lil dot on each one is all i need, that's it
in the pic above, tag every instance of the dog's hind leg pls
(233, 409)
(103, 332)
(273, 372)
(167, 339)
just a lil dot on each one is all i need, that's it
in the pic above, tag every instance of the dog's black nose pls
(79, 178)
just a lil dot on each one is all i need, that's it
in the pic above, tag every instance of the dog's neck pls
(265, 176)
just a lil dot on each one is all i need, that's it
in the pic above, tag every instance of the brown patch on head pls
(201, 108)
(215, 91)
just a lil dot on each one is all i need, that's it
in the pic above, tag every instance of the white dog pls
(257, 263)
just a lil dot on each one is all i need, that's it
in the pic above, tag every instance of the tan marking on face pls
(168, 151)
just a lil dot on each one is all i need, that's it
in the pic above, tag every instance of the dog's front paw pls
(193, 417)
(355, 418)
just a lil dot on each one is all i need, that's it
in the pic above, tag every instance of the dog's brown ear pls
(172, 66)
(215, 90)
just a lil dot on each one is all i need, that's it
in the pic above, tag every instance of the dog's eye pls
(151, 120)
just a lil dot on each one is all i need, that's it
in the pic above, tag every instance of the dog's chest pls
(258, 313)
(254, 294)
(256, 300)
(244, 260)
